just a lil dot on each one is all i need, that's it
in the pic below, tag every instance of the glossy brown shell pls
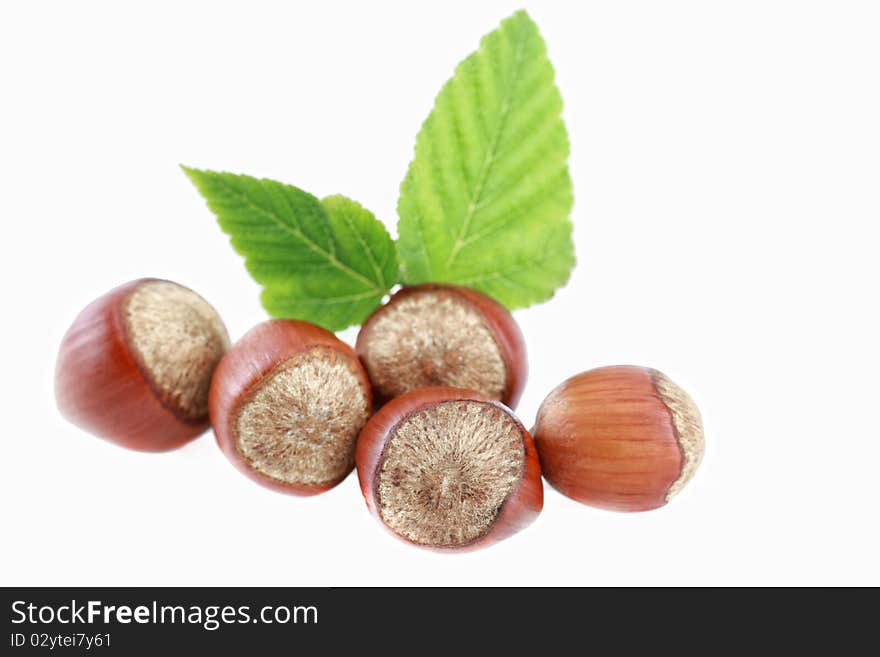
(246, 364)
(607, 439)
(100, 387)
(497, 319)
(522, 505)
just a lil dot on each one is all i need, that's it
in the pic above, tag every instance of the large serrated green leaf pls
(329, 262)
(487, 198)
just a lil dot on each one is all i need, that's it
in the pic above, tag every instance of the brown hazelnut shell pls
(100, 387)
(497, 319)
(520, 509)
(609, 438)
(246, 364)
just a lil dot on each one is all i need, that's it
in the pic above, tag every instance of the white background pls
(726, 159)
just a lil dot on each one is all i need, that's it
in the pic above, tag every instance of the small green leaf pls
(329, 262)
(487, 198)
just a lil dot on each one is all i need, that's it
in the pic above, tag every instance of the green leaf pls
(329, 262)
(487, 198)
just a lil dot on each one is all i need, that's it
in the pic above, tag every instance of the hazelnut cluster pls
(421, 407)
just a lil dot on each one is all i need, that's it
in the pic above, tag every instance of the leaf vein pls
(380, 277)
(490, 152)
(296, 232)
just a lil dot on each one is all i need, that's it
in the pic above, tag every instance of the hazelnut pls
(287, 403)
(443, 335)
(623, 438)
(135, 367)
(449, 469)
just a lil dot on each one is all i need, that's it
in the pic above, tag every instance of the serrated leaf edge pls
(330, 257)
